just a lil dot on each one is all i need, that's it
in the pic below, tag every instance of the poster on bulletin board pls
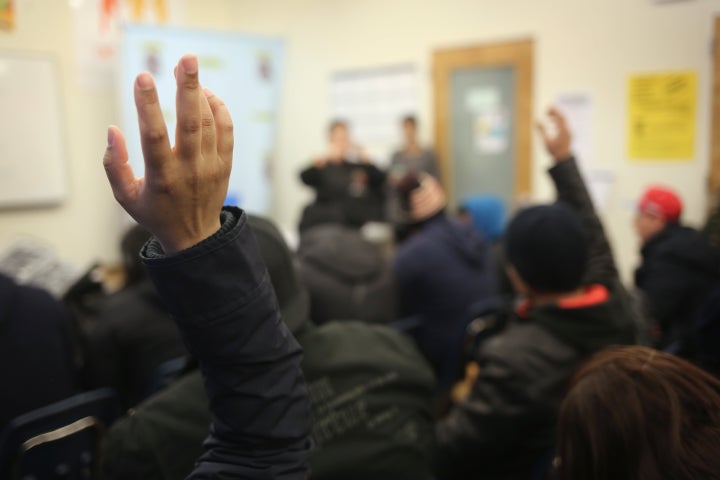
(7, 15)
(662, 116)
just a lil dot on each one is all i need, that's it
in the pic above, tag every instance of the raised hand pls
(180, 197)
(558, 146)
(428, 199)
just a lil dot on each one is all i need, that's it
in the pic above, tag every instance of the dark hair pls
(337, 123)
(130, 245)
(412, 119)
(638, 413)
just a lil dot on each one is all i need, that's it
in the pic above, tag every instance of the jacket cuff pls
(568, 164)
(203, 281)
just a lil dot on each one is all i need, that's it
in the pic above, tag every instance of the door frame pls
(516, 54)
(714, 168)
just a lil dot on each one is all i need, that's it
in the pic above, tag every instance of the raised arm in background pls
(208, 271)
(572, 190)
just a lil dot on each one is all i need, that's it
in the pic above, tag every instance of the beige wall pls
(585, 45)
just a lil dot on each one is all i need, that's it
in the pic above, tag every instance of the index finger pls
(188, 132)
(153, 131)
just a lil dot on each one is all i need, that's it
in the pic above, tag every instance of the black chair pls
(483, 319)
(165, 374)
(59, 441)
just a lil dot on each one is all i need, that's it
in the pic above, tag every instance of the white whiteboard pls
(374, 101)
(32, 146)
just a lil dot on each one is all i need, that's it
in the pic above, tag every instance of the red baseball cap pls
(662, 202)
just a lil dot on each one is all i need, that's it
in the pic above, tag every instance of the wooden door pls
(483, 119)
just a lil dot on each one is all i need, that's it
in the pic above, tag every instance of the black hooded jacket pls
(442, 271)
(679, 268)
(36, 350)
(507, 424)
(347, 277)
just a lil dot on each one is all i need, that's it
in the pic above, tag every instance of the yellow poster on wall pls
(7, 15)
(662, 116)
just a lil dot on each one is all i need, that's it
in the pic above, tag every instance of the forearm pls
(571, 189)
(225, 307)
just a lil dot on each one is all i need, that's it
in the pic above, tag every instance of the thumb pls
(118, 170)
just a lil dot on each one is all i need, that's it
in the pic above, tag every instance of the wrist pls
(562, 157)
(175, 244)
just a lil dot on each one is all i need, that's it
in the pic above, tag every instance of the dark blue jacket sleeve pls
(221, 297)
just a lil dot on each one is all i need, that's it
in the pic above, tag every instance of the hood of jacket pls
(589, 328)
(341, 252)
(684, 245)
(464, 239)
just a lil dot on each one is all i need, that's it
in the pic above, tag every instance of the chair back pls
(58, 441)
(165, 374)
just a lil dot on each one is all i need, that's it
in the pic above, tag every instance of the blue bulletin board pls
(244, 70)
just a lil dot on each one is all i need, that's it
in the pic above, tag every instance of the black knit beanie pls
(548, 247)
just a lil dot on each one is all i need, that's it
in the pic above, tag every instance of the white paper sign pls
(577, 107)
(578, 111)
(373, 101)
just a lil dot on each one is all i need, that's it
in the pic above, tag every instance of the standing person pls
(560, 260)
(410, 160)
(412, 157)
(349, 189)
(205, 264)
(679, 267)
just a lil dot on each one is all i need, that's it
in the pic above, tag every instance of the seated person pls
(634, 412)
(487, 214)
(349, 190)
(132, 334)
(441, 269)
(561, 262)
(679, 268)
(36, 350)
(347, 276)
(205, 264)
(370, 390)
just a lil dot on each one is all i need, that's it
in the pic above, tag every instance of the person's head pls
(292, 297)
(339, 135)
(486, 213)
(130, 244)
(409, 127)
(547, 250)
(637, 413)
(658, 207)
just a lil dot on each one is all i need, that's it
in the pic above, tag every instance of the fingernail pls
(208, 93)
(110, 136)
(145, 81)
(175, 71)
(190, 64)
